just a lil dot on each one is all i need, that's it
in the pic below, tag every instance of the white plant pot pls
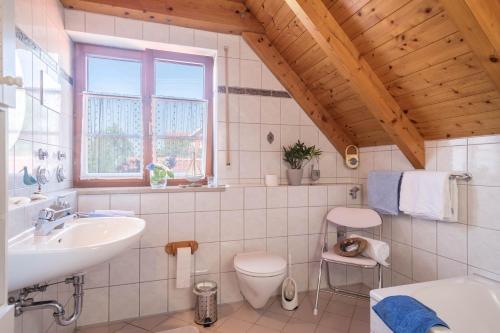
(294, 176)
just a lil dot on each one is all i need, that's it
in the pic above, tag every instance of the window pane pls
(114, 136)
(180, 135)
(113, 76)
(181, 80)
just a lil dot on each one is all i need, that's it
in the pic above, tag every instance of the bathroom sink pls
(80, 244)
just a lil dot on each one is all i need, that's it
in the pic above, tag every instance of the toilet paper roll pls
(271, 180)
(183, 278)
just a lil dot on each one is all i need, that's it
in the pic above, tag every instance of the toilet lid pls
(259, 264)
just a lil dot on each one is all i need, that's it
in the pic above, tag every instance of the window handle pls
(150, 128)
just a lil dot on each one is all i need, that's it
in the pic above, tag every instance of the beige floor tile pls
(298, 326)
(233, 325)
(187, 316)
(102, 328)
(131, 329)
(247, 313)
(261, 329)
(305, 311)
(228, 309)
(344, 299)
(340, 308)
(273, 320)
(149, 322)
(326, 329)
(362, 314)
(276, 308)
(339, 323)
(359, 327)
(169, 323)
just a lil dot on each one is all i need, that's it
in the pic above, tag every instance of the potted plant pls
(297, 156)
(158, 175)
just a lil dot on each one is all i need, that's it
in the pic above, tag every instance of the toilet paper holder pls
(171, 248)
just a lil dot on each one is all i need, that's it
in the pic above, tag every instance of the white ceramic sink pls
(81, 244)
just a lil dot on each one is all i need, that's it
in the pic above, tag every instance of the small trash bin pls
(205, 309)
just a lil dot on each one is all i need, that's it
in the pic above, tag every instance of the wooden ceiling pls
(434, 63)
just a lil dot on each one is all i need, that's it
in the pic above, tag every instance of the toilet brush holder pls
(289, 302)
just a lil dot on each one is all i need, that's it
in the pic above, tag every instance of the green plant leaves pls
(298, 155)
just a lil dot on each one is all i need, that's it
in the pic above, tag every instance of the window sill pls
(147, 189)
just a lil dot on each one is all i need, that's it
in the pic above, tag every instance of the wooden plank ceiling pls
(443, 79)
(414, 48)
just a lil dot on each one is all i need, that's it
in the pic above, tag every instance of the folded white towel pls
(430, 195)
(375, 249)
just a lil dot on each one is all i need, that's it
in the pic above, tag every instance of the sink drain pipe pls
(23, 303)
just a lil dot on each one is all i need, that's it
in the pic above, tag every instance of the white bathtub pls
(468, 304)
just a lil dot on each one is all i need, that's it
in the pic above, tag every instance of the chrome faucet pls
(53, 217)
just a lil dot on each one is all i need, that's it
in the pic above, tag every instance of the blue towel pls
(383, 191)
(404, 314)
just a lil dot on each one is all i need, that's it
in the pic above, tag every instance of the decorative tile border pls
(255, 92)
(43, 55)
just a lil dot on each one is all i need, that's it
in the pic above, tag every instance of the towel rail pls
(461, 176)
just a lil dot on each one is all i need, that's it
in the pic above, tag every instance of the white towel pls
(430, 195)
(375, 249)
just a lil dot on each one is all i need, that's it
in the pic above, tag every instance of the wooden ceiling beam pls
(325, 30)
(272, 58)
(479, 22)
(226, 16)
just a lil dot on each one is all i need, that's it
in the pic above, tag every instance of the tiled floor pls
(336, 315)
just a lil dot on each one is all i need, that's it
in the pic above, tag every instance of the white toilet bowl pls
(259, 275)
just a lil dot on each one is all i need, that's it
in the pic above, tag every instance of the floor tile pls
(187, 316)
(104, 328)
(359, 327)
(261, 329)
(131, 329)
(273, 320)
(233, 325)
(298, 326)
(247, 313)
(339, 323)
(149, 322)
(169, 323)
(340, 308)
(362, 314)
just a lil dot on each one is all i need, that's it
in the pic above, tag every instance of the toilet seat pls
(259, 264)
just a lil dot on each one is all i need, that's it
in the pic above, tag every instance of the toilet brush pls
(289, 299)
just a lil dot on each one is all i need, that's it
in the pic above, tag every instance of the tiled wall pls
(42, 45)
(141, 282)
(428, 250)
(251, 117)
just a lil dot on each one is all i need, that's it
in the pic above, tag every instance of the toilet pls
(259, 276)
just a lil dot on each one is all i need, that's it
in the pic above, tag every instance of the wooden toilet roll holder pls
(171, 248)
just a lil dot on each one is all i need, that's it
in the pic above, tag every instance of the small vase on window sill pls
(158, 175)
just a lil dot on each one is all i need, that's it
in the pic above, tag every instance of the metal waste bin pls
(205, 309)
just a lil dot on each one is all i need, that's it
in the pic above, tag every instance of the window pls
(135, 107)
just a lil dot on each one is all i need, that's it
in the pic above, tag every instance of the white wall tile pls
(179, 299)
(207, 201)
(298, 221)
(299, 248)
(205, 39)
(276, 222)
(181, 35)
(270, 110)
(153, 297)
(452, 241)
(232, 199)
(232, 42)
(233, 74)
(448, 268)
(277, 246)
(249, 108)
(336, 195)
(227, 252)
(424, 266)
(153, 264)
(401, 229)
(231, 225)
(424, 234)
(99, 24)
(207, 258)
(484, 249)
(155, 32)
(483, 206)
(275, 145)
(131, 202)
(317, 219)
(181, 227)
(318, 195)
(87, 203)
(255, 197)
(181, 202)
(128, 28)
(154, 203)
(230, 291)
(207, 226)
(298, 196)
(290, 112)
(156, 231)
(257, 244)
(250, 164)
(250, 137)
(123, 302)
(124, 268)
(95, 306)
(401, 259)
(453, 158)
(250, 74)
(483, 162)
(246, 52)
(255, 223)
(73, 19)
(277, 197)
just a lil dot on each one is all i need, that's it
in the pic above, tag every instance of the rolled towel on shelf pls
(431, 195)
(375, 249)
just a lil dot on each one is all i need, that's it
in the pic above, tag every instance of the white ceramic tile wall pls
(425, 250)
(44, 128)
(142, 280)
